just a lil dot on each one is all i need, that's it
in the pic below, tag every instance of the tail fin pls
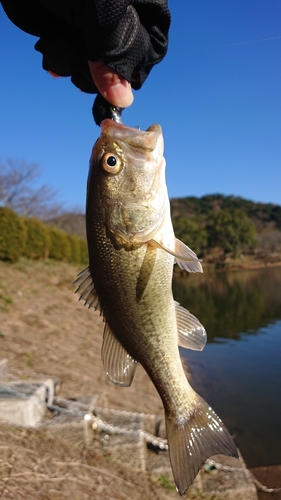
(193, 439)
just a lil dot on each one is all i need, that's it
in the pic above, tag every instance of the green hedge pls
(84, 252)
(38, 239)
(75, 248)
(13, 234)
(31, 238)
(79, 249)
(60, 247)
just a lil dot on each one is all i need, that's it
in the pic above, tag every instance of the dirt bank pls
(45, 331)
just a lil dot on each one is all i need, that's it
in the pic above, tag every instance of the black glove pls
(129, 36)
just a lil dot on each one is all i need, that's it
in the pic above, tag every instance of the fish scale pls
(132, 250)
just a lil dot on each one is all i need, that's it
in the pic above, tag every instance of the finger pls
(113, 87)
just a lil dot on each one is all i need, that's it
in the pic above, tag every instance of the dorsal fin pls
(86, 289)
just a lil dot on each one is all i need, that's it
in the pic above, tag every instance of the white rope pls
(227, 468)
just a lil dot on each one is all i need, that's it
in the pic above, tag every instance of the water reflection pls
(229, 303)
(239, 371)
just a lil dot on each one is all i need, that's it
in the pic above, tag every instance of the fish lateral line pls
(191, 333)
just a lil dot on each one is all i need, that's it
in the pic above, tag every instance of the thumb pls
(113, 87)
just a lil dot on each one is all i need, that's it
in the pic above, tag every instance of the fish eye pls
(111, 163)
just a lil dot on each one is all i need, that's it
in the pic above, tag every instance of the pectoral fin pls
(119, 366)
(184, 256)
(87, 290)
(191, 334)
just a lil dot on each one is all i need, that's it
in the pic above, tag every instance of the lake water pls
(239, 370)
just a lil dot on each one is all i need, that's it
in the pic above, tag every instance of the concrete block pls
(24, 403)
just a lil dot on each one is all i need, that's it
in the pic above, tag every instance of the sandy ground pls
(45, 331)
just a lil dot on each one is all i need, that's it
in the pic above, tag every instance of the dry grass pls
(35, 464)
(45, 331)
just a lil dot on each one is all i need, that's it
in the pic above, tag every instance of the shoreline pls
(232, 265)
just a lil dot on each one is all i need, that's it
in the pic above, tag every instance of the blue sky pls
(217, 96)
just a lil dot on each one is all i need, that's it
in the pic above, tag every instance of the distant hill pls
(191, 218)
(263, 215)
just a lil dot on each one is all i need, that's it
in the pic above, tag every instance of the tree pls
(19, 192)
(231, 230)
(191, 232)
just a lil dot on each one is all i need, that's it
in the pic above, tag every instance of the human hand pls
(122, 37)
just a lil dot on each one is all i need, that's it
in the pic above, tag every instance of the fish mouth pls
(145, 140)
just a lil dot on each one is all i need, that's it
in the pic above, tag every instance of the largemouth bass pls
(132, 250)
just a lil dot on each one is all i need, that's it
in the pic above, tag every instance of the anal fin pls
(119, 366)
